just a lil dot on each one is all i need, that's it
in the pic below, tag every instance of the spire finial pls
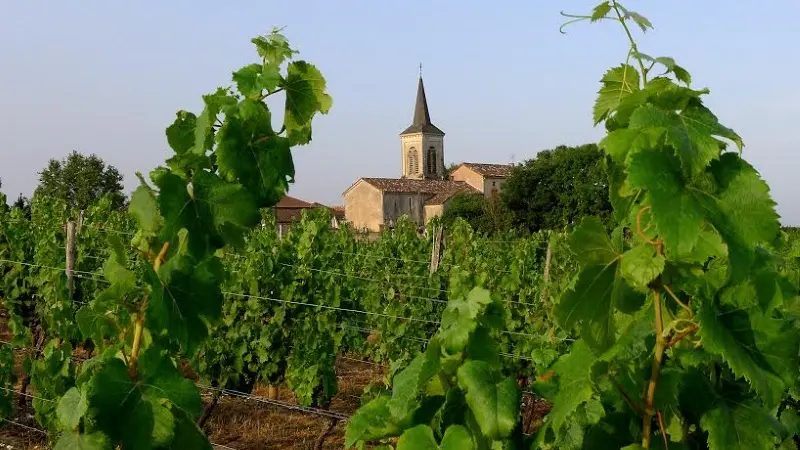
(420, 70)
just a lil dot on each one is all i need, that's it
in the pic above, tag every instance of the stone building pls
(487, 178)
(290, 209)
(423, 191)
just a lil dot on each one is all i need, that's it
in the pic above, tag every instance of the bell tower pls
(422, 144)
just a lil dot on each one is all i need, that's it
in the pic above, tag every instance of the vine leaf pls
(459, 319)
(407, 384)
(77, 441)
(618, 83)
(740, 426)
(757, 347)
(421, 437)
(305, 96)
(248, 150)
(127, 409)
(742, 211)
(600, 11)
(659, 173)
(637, 18)
(180, 135)
(183, 296)
(574, 383)
(599, 287)
(247, 80)
(641, 265)
(144, 208)
(493, 400)
(273, 48)
(371, 422)
(690, 132)
(71, 408)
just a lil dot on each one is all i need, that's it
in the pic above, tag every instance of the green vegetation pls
(80, 181)
(669, 323)
(557, 188)
(228, 162)
(688, 336)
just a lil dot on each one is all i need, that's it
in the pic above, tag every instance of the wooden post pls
(547, 259)
(80, 222)
(71, 256)
(436, 253)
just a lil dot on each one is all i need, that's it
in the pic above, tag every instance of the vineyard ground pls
(248, 424)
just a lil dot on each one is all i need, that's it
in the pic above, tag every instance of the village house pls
(423, 191)
(290, 209)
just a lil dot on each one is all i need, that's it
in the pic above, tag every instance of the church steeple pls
(422, 117)
(422, 144)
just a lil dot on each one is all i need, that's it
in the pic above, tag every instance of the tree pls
(81, 180)
(485, 215)
(23, 203)
(557, 188)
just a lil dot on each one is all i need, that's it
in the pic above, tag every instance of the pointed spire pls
(422, 117)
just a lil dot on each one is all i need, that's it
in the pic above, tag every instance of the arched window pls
(413, 161)
(431, 160)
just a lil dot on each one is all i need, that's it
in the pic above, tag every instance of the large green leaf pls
(180, 135)
(144, 208)
(184, 295)
(757, 347)
(690, 132)
(742, 211)
(305, 96)
(641, 265)
(494, 400)
(599, 287)
(410, 382)
(249, 152)
(79, 441)
(71, 408)
(460, 319)
(127, 409)
(618, 83)
(574, 383)
(421, 437)
(675, 210)
(371, 422)
(740, 426)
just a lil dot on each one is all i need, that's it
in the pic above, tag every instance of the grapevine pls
(686, 334)
(228, 162)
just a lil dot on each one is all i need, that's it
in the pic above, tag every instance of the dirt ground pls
(254, 424)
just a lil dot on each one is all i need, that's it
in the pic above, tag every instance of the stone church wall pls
(398, 204)
(363, 207)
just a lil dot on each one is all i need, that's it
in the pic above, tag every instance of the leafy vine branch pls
(711, 237)
(227, 164)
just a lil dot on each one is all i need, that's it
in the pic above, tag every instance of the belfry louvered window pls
(431, 160)
(413, 161)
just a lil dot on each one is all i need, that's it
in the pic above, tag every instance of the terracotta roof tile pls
(291, 202)
(287, 215)
(490, 170)
(432, 187)
(460, 188)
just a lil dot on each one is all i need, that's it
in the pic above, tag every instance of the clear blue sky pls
(107, 77)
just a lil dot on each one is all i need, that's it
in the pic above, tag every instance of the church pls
(424, 189)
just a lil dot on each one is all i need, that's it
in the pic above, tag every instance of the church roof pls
(445, 195)
(489, 170)
(436, 191)
(422, 117)
(409, 185)
(291, 202)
